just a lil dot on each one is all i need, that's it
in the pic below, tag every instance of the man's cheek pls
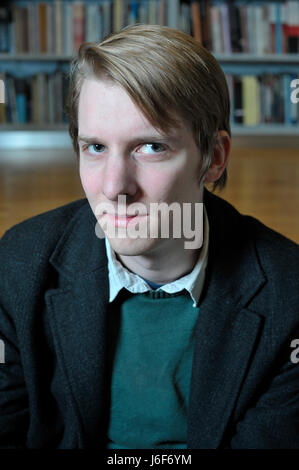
(157, 185)
(90, 183)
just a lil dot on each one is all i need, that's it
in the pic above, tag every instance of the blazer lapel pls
(78, 319)
(226, 331)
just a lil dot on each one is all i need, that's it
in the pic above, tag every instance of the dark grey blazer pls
(54, 390)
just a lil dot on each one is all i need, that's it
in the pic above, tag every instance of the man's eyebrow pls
(146, 138)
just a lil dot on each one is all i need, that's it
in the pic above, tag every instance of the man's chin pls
(131, 246)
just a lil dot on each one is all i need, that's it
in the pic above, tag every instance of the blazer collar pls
(80, 251)
(233, 261)
(227, 331)
(234, 271)
(78, 321)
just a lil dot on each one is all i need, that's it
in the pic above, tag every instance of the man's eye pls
(148, 149)
(152, 149)
(94, 148)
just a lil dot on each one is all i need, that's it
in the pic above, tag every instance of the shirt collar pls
(120, 277)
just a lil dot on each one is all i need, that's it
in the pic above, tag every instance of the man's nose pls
(118, 177)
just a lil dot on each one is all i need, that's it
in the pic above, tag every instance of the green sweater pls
(150, 365)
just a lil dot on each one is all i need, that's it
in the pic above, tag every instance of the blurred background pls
(256, 43)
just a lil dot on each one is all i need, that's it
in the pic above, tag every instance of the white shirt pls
(120, 277)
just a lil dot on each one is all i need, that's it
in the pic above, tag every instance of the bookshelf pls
(8, 57)
(39, 38)
(244, 58)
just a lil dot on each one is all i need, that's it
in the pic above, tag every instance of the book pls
(225, 28)
(173, 13)
(78, 24)
(117, 15)
(235, 27)
(216, 31)
(58, 22)
(196, 21)
(237, 111)
(50, 27)
(21, 100)
(250, 92)
(162, 12)
(3, 98)
(43, 26)
(5, 28)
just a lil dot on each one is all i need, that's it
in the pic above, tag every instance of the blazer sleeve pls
(273, 423)
(14, 410)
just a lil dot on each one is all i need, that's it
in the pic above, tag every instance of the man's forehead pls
(99, 134)
(105, 107)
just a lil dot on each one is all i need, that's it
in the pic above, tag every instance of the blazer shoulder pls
(273, 247)
(38, 232)
(278, 257)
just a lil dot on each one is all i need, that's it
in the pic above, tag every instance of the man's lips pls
(122, 216)
(122, 221)
(125, 216)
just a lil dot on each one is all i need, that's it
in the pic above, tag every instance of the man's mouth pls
(124, 220)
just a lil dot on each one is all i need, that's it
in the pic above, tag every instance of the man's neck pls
(162, 267)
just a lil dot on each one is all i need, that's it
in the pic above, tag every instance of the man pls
(141, 342)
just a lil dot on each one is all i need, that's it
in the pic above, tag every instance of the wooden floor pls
(262, 182)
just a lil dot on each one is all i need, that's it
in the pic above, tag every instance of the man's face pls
(126, 156)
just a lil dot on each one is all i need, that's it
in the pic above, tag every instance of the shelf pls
(256, 59)
(266, 130)
(274, 135)
(35, 139)
(222, 58)
(35, 57)
(237, 129)
(57, 137)
(33, 127)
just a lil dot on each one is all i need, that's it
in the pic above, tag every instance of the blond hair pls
(169, 76)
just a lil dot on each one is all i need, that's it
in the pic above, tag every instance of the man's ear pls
(220, 157)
